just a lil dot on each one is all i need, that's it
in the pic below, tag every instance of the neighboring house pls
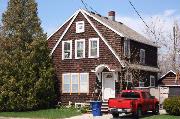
(170, 84)
(96, 56)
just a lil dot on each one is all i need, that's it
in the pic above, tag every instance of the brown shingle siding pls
(55, 37)
(81, 65)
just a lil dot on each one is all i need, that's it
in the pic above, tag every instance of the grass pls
(162, 117)
(49, 113)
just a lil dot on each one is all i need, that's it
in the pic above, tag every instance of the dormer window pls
(66, 49)
(79, 26)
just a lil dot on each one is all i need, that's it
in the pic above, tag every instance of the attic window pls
(79, 26)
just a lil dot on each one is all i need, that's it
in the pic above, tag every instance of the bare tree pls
(169, 42)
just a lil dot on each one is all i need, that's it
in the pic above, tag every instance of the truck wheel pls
(156, 110)
(115, 115)
(138, 113)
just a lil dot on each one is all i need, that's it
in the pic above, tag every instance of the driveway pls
(106, 116)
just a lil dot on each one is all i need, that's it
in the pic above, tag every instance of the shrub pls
(84, 109)
(172, 105)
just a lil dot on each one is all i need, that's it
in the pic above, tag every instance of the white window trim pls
(151, 76)
(78, 83)
(80, 40)
(77, 30)
(93, 39)
(142, 50)
(69, 41)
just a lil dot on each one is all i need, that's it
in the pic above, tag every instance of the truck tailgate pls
(120, 103)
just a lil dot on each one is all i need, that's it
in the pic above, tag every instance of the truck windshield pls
(130, 95)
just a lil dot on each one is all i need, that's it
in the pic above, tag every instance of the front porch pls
(111, 80)
(108, 82)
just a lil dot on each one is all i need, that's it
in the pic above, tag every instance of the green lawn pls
(49, 113)
(162, 117)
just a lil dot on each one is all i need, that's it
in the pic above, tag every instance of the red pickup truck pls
(135, 102)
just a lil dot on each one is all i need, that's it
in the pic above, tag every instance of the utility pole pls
(174, 48)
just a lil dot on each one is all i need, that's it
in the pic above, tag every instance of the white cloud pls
(163, 21)
(169, 12)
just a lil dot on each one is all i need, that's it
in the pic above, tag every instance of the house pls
(170, 83)
(97, 57)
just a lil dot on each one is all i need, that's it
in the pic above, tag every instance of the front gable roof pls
(100, 35)
(118, 28)
(171, 78)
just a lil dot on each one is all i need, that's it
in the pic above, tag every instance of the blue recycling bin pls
(96, 108)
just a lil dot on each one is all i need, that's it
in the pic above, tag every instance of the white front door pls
(108, 85)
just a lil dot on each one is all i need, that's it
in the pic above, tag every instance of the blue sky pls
(54, 12)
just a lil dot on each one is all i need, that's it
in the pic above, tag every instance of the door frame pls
(113, 73)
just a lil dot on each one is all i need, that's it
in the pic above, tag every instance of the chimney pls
(111, 15)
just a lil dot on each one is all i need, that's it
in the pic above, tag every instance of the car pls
(133, 102)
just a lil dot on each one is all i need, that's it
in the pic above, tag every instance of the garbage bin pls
(96, 108)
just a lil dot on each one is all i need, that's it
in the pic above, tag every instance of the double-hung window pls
(75, 83)
(127, 48)
(152, 81)
(142, 56)
(80, 48)
(67, 49)
(93, 47)
(66, 83)
(84, 79)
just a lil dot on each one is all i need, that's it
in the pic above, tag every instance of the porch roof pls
(110, 67)
(145, 68)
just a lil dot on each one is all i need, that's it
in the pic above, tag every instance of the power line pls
(144, 21)
(88, 6)
(85, 5)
